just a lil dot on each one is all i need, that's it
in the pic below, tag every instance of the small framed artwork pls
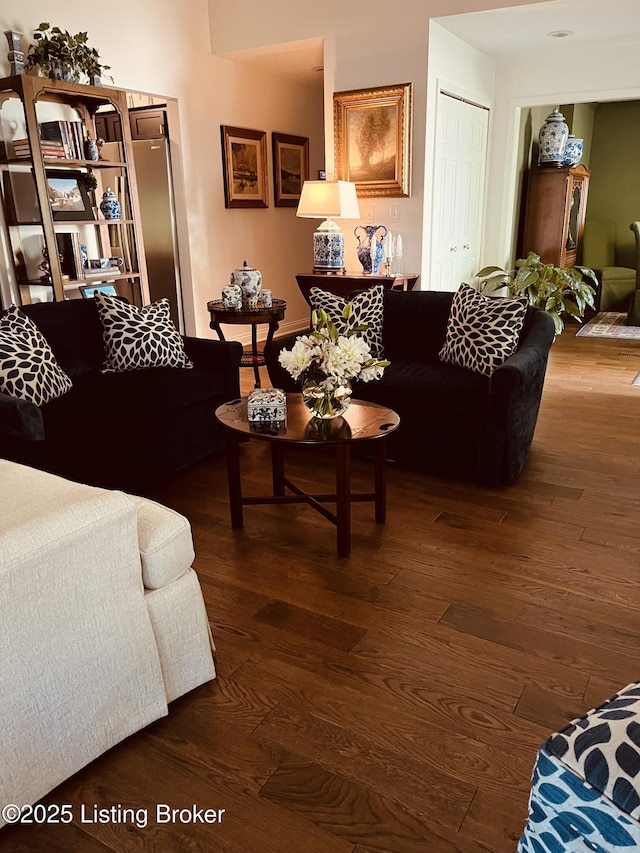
(290, 168)
(68, 195)
(244, 164)
(372, 136)
(88, 291)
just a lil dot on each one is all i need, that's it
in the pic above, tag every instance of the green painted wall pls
(614, 188)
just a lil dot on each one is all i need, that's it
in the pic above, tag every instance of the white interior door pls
(458, 192)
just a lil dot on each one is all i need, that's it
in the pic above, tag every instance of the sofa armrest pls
(515, 394)
(20, 419)
(523, 367)
(218, 356)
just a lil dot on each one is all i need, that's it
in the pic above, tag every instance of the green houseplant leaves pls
(559, 291)
(58, 51)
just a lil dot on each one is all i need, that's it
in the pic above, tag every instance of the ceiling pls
(300, 60)
(497, 32)
(504, 32)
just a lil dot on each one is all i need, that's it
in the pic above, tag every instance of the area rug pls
(610, 325)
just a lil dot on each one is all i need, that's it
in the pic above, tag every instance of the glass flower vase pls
(326, 398)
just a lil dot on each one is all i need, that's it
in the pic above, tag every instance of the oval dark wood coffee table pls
(362, 422)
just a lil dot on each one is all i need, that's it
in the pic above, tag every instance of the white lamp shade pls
(328, 199)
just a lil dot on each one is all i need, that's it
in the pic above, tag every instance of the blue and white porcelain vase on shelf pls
(573, 151)
(553, 140)
(110, 206)
(91, 151)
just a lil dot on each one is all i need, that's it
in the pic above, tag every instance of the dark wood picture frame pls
(244, 165)
(68, 195)
(290, 167)
(372, 136)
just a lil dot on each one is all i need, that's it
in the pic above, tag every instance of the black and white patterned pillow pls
(482, 331)
(367, 310)
(137, 338)
(28, 368)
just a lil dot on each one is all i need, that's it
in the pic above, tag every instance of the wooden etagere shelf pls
(51, 204)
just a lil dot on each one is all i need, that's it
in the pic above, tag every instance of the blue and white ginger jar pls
(553, 140)
(250, 282)
(110, 206)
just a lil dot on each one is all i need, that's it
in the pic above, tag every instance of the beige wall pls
(365, 46)
(160, 46)
(164, 47)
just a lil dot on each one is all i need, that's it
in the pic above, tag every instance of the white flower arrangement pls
(328, 361)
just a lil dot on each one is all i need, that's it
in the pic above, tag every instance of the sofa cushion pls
(138, 338)
(482, 331)
(77, 353)
(28, 368)
(166, 544)
(366, 310)
(430, 388)
(100, 404)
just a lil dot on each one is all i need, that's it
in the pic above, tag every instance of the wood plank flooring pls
(393, 701)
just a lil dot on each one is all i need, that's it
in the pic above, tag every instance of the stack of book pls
(21, 148)
(66, 136)
(52, 148)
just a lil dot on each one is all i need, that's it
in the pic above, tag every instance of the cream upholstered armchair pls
(617, 284)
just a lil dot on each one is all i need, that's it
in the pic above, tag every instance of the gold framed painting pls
(290, 168)
(244, 164)
(372, 135)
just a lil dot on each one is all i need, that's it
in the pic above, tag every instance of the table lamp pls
(328, 200)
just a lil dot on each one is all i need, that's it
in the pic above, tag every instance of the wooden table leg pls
(380, 479)
(343, 498)
(235, 483)
(254, 353)
(277, 468)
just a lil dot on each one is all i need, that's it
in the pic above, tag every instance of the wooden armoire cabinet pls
(555, 210)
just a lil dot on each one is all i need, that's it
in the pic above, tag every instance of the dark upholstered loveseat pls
(118, 430)
(454, 422)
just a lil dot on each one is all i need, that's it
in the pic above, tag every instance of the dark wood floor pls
(394, 701)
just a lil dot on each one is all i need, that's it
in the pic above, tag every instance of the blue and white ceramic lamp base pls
(328, 251)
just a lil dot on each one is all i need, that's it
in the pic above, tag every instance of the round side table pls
(249, 317)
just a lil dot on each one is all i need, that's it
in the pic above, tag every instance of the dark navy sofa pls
(454, 422)
(118, 430)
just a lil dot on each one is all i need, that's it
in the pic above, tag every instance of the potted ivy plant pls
(560, 291)
(58, 53)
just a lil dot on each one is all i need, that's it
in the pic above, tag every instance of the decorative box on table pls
(267, 404)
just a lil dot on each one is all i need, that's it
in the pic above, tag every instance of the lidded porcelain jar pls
(553, 140)
(110, 206)
(250, 281)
